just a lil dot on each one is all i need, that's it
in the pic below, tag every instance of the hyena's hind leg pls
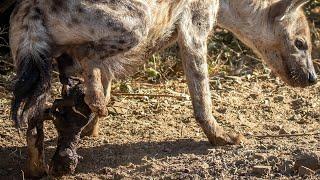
(31, 47)
(36, 166)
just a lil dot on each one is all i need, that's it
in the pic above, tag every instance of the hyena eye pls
(300, 44)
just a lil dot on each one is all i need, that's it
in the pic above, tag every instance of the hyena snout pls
(302, 78)
(312, 77)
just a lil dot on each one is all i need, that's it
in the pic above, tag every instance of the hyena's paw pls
(36, 169)
(221, 138)
(91, 129)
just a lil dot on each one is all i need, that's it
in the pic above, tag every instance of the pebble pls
(278, 99)
(253, 96)
(260, 156)
(283, 131)
(261, 170)
(295, 117)
(275, 127)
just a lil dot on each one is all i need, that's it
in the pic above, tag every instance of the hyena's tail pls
(31, 46)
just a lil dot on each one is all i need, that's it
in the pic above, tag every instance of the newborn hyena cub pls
(71, 115)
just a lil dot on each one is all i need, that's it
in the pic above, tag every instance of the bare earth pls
(158, 138)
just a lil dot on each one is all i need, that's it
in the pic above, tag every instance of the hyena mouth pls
(301, 78)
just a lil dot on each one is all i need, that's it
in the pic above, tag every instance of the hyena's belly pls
(77, 22)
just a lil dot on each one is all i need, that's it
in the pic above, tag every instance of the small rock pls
(205, 165)
(186, 170)
(254, 96)
(275, 127)
(248, 133)
(260, 156)
(278, 99)
(112, 111)
(295, 117)
(302, 121)
(222, 110)
(283, 131)
(261, 170)
(304, 171)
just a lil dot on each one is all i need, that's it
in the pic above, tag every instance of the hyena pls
(108, 38)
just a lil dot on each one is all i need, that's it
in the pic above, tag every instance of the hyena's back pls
(82, 21)
(72, 22)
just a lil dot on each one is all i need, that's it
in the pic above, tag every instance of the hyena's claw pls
(221, 138)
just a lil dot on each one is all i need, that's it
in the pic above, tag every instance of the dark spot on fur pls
(54, 9)
(25, 27)
(121, 41)
(26, 13)
(130, 8)
(80, 9)
(115, 28)
(36, 14)
(35, 17)
(75, 20)
(90, 76)
(37, 10)
(99, 14)
(58, 5)
(92, 31)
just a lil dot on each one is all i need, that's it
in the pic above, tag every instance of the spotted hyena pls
(108, 38)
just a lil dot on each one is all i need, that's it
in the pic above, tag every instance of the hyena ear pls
(282, 8)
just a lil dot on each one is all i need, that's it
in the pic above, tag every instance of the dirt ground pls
(157, 137)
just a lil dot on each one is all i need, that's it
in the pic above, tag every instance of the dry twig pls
(285, 135)
(148, 95)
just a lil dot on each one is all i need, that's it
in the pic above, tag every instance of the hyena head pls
(278, 31)
(289, 51)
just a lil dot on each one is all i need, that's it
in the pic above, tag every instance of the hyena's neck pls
(247, 19)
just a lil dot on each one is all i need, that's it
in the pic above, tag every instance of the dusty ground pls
(157, 137)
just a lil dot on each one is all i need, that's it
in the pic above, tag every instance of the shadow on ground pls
(109, 155)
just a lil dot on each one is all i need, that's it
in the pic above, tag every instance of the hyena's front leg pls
(36, 166)
(94, 94)
(92, 129)
(193, 46)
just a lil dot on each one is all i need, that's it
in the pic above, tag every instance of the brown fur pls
(109, 38)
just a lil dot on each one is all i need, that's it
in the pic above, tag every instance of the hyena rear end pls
(39, 29)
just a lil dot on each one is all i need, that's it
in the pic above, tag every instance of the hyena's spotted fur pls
(107, 38)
